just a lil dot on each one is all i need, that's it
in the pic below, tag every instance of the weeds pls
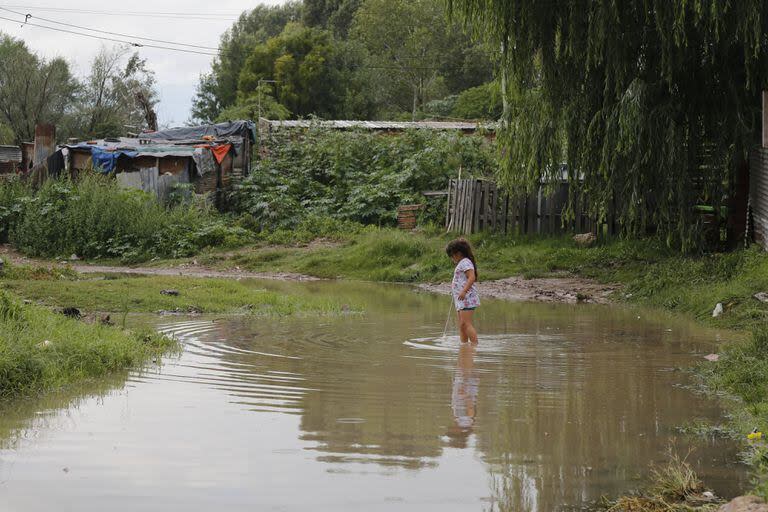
(95, 218)
(41, 350)
(674, 487)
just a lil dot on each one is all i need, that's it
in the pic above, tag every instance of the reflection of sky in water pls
(557, 405)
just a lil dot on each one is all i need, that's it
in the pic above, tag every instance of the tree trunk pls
(504, 78)
(415, 101)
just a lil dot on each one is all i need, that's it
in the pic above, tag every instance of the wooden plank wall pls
(477, 205)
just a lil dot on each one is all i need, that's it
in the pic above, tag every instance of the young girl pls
(463, 287)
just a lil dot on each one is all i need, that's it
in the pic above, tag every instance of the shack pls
(10, 159)
(241, 134)
(210, 158)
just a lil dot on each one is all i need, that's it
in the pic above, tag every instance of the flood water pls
(557, 406)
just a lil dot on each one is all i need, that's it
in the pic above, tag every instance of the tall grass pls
(96, 218)
(41, 350)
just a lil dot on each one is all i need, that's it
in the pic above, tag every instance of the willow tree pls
(653, 104)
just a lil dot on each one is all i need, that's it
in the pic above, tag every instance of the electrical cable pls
(31, 16)
(131, 43)
(144, 14)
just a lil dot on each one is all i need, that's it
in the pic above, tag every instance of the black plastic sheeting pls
(219, 130)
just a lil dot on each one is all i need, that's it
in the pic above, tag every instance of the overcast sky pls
(177, 73)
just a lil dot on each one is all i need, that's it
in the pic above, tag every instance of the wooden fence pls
(477, 205)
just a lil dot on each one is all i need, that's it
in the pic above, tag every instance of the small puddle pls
(557, 406)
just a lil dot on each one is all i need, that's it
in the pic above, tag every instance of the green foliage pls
(442, 107)
(416, 54)
(481, 102)
(313, 229)
(310, 70)
(32, 90)
(653, 105)
(11, 193)
(95, 218)
(357, 176)
(353, 59)
(41, 350)
(335, 15)
(261, 103)
(217, 90)
(106, 101)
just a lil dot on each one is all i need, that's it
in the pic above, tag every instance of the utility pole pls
(262, 81)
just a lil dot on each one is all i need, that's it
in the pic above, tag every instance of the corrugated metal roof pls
(383, 125)
(10, 154)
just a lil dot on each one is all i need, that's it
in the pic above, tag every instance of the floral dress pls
(472, 299)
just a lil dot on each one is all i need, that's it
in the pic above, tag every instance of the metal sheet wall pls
(758, 194)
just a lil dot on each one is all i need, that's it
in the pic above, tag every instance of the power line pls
(143, 14)
(131, 43)
(27, 16)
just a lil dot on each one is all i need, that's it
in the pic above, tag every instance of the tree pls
(406, 39)
(217, 90)
(119, 92)
(333, 15)
(32, 90)
(652, 104)
(261, 103)
(416, 54)
(310, 71)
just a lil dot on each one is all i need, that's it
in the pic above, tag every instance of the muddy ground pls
(564, 289)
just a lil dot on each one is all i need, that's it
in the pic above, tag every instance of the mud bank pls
(566, 290)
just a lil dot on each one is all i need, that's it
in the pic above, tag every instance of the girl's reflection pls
(464, 396)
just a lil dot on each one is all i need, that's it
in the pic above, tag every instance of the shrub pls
(481, 102)
(354, 176)
(95, 218)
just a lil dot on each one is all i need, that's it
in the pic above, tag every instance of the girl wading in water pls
(463, 287)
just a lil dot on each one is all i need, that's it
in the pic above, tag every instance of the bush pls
(354, 176)
(95, 218)
(481, 102)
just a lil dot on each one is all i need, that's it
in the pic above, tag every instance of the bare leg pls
(466, 327)
(462, 333)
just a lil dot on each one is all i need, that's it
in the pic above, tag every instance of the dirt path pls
(549, 289)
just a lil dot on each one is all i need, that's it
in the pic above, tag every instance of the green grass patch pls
(41, 350)
(113, 293)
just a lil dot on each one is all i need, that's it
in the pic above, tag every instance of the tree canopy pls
(653, 104)
(369, 59)
(32, 90)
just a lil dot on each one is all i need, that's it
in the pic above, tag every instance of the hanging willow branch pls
(651, 103)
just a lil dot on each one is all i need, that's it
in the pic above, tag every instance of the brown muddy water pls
(557, 406)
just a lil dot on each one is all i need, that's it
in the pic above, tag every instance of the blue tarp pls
(105, 161)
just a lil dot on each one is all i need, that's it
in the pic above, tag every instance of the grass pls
(650, 273)
(143, 294)
(41, 350)
(673, 487)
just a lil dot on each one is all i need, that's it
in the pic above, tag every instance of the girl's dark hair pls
(461, 246)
